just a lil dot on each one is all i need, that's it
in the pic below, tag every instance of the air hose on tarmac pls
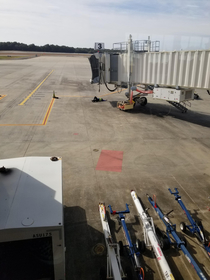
(112, 90)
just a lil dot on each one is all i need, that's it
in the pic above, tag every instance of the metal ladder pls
(179, 106)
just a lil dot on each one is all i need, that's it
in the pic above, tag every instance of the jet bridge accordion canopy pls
(190, 69)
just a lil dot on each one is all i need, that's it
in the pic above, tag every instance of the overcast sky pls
(178, 24)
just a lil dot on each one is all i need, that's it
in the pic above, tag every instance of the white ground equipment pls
(114, 268)
(31, 219)
(151, 239)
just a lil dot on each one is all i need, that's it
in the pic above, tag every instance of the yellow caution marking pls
(23, 102)
(2, 96)
(48, 112)
(46, 117)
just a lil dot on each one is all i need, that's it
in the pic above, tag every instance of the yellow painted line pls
(46, 117)
(48, 112)
(23, 102)
(2, 96)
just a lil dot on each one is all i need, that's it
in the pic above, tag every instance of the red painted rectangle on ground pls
(110, 161)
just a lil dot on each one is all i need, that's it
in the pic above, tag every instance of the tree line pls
(15, 46)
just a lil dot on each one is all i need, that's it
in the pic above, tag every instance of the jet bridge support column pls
(130, 63)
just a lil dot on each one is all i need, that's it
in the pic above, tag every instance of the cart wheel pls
(164, 243)
(182, 226)
(140, 245)
(103, 273)
(184, 240)
(121, 248)
(128, 272)
(201, 235)
(143, 247)
(199, 223)
(158, 232)
(143, 101)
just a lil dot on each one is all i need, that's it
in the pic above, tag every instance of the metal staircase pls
(179, 106)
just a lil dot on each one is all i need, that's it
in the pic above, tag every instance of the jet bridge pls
(184, 69)
(173, 76)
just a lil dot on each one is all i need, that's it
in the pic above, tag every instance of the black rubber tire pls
(143, 101)
(183, 227)
(128, 272)
(103, 273)
(199, 223)
(184, 240)
(158, 232)
(164, 243)
(140, 245)
(121, 248)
